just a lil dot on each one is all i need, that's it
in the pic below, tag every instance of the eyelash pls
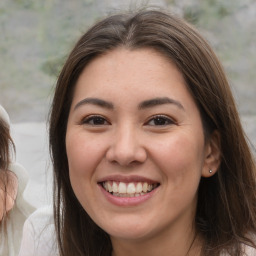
(162, 118)
(100, 120)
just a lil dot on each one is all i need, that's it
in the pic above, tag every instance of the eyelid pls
(85, 120)
(170, 120)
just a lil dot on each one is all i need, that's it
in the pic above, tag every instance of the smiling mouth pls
(131, 189)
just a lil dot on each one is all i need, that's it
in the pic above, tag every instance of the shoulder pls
(249, 250)
(39, 236)
(41, 222)
(25, 207)
(42, 215)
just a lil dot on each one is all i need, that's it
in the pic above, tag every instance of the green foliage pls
(192, 14)
(206, 12)
(26, 4)
(53, 66)
(2, 11)
(169, 1)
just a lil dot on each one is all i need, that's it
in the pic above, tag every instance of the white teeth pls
(122, 188)
(128, 195)
(109, 187)
(131, 189)
(139, 187)
(145, 187)
(115, 187)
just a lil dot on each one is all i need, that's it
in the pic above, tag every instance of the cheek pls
(81, 163)
(83, 153)
(2, 203)
(180, 156)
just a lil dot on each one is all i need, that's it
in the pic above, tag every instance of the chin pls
(128, 230)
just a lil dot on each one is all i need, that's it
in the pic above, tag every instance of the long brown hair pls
(226, 210)
(6, 143)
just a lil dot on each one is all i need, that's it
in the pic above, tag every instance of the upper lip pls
(127, 179)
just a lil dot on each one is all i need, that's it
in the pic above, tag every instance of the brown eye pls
(160, 121)
(95, 120)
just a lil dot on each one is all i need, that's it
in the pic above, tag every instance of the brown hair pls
(226, 211)
(5, 143)
(5, 149)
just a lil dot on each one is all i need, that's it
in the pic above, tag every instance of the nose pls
(126, 148)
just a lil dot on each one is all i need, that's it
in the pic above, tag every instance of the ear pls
(212, 155)
(11, 190)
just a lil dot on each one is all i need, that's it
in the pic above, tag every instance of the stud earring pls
(210, 171)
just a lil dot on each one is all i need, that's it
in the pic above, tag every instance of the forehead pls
(132, 74)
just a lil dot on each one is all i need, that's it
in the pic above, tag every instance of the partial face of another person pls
(135, 145)
(8, 192)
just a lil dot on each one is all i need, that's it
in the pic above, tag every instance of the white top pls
(247, 251)
(4, 115)
(39, 237)
(250, 251)
(10, 238)
(11, 228)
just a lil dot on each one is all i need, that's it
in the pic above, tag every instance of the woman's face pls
(135, 145)
(8, 191)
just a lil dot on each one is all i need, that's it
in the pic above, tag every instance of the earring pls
(210, 171)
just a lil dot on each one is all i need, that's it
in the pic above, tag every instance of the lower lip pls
(127, 201)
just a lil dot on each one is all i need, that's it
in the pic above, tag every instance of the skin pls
(137, 138)
(7, 193)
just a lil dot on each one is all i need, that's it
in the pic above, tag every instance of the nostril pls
(126, 156)
(126, 162)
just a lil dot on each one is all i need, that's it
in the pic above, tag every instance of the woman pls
(148, 151)
(14, 209)
(8, 181)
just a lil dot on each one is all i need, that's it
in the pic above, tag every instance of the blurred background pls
(36, 36)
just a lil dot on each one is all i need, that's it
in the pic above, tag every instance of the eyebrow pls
(160, 101)
(143, 105)
(95, 101)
